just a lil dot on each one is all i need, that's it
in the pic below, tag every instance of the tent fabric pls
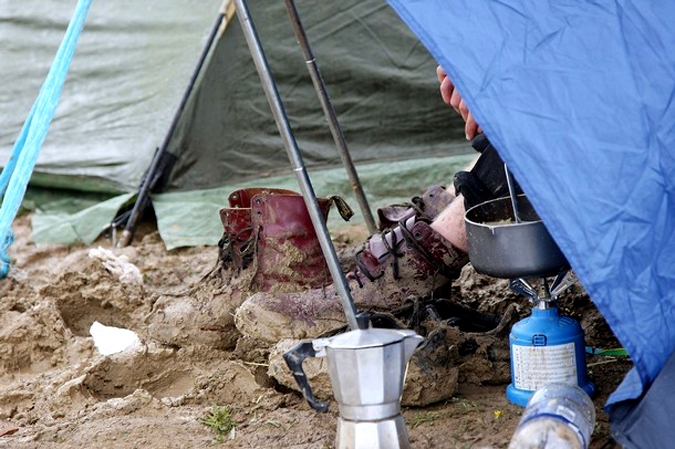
(379, 77)
(131, 66)
(134, 62)
(577, 98)
(646, 423)
(61, 226)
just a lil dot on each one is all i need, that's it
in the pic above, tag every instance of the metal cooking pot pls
(501, 247)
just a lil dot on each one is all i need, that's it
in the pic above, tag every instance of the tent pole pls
(297, 163)
(151, 175)
(330, 114)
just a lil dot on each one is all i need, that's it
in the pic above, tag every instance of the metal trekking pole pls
(297, 163)
(329, 112)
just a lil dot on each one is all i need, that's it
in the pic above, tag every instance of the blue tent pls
(577, 97)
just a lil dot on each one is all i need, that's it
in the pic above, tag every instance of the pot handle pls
(294, 358)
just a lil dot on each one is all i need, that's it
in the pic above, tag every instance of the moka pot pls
(367, 370)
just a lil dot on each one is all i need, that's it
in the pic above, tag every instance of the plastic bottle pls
(557, 416)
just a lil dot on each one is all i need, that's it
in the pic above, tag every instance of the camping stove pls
(545, 347)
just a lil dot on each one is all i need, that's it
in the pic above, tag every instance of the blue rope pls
(16, 174)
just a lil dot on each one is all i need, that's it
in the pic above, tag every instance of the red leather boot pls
(268, 244)
(269, 231)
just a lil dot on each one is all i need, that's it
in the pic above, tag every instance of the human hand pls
(451, 97)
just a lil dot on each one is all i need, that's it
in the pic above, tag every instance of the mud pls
(57, 391)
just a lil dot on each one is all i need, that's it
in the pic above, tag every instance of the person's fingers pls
(463, 109)
(452, 97)
(471, 128)
(456, 101)
(440, 73)
(447, 91)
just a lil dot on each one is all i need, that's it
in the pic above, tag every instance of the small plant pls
(422, 418)
(220, 421)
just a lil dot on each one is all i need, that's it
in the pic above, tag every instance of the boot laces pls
(237, 250)
(392, 249)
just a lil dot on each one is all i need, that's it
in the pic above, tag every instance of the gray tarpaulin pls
(189, 218)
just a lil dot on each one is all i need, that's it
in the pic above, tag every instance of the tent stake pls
(297, 163)
(330, 114)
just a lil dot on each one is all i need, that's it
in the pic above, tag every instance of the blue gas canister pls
(546, 348)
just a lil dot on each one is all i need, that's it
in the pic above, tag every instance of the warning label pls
(534, 366)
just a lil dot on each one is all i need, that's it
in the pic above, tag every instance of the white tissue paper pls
(111, 340)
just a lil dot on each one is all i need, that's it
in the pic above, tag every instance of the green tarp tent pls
(133, 65)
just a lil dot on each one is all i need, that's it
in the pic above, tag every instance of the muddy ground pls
(58, 391)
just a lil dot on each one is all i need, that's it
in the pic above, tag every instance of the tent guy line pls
(17, 172)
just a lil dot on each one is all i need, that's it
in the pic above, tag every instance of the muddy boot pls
(270, 232)
(268, 244)
(434, 372)
(201, 316)
(410, 261)
(425, 207)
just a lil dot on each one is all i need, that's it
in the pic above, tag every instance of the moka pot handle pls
(294, 358)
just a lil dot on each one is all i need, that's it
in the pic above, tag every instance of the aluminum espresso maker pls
(367, 369)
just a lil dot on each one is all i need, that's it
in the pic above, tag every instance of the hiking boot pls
(410, 261)
(202, 315)
(427, 207)
(433, 372)
(268, 244)
(270, 232)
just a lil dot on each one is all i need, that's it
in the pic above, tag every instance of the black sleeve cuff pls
(487, 179)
